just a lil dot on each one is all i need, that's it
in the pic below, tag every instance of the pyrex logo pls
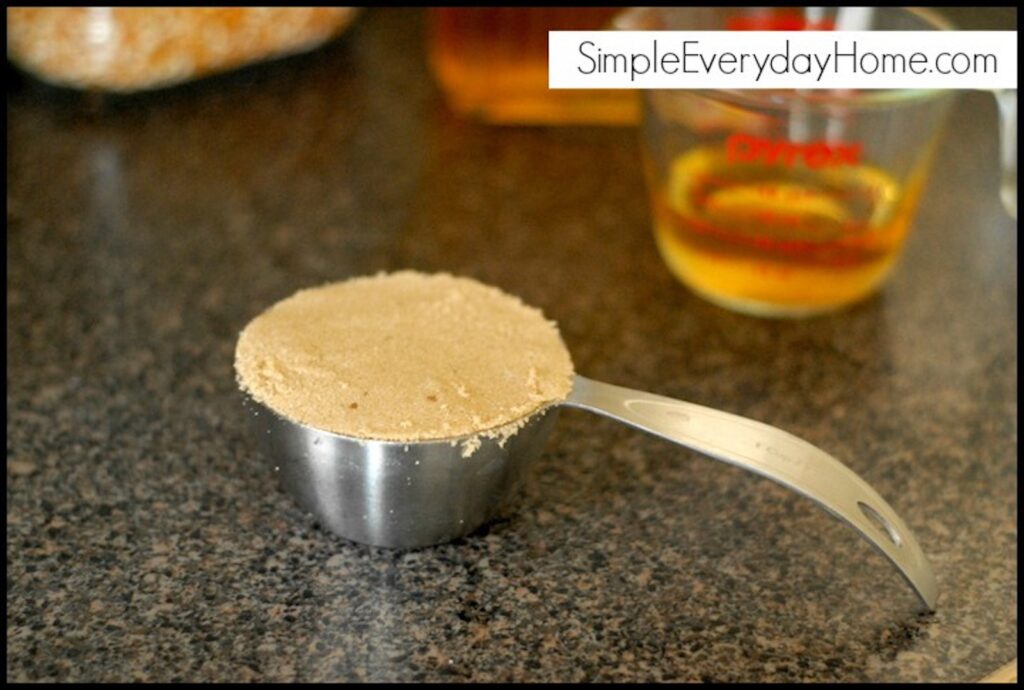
(746, 148)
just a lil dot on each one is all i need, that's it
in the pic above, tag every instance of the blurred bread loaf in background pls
(124, 49)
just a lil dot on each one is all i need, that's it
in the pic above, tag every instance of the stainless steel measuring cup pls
(407, 495)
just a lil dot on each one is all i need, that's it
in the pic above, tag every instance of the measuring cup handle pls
(1006, 99)
(774, 454)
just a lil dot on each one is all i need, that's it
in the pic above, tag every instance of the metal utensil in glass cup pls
(413, 494)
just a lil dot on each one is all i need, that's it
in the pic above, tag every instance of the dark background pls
(146, 539)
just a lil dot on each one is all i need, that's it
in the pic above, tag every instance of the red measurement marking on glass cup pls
(777, 21)
(706, 184)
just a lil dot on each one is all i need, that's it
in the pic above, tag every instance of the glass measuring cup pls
(792, 203)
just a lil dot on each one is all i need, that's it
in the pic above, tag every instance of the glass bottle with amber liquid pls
(492, 64)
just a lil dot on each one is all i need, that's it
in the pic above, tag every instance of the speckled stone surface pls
(147, 539)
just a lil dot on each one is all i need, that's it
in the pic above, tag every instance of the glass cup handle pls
(1006, 99)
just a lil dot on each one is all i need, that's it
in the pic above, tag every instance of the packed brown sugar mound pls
(404, 357)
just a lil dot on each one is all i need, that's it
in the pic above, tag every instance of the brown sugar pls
(405, 357)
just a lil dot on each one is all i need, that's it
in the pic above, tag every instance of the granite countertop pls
(147, 539)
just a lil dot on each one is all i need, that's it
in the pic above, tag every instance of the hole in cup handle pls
(1006, 99)
(881, 523)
